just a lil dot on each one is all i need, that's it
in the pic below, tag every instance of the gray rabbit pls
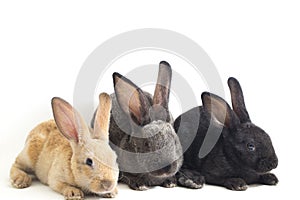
(142, 133)
(242, 155)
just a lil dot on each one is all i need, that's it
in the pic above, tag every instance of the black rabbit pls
(142, 134)
(243, 153)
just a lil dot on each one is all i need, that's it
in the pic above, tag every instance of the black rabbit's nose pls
(267, 164)
(107, 185)
(274, 163)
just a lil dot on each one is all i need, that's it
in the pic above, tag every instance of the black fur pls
(242, 155)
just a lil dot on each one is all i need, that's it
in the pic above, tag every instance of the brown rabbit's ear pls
(68, 120)
(219, 109)
(163, 84)
(101, 123)
(237, 99)
(131, 99)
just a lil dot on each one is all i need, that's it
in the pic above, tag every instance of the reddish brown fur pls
(58, 160)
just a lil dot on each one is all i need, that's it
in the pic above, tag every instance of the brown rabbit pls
(67, 156)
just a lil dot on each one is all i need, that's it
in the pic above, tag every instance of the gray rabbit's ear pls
(160, 108)
(219, 110)
(163, 84)
(237, 99)
(131, 99)
(69, 121)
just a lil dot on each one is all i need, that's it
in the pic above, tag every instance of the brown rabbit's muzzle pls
(98, 186)
(107, 185)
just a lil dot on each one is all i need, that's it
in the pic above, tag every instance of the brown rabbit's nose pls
(107, 185)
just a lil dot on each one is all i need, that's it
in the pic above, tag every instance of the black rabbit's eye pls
(89, 162)
(251, 147)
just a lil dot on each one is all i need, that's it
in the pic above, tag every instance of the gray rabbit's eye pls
(251, 147)
(89, 162)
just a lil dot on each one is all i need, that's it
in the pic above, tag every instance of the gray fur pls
(149, 151)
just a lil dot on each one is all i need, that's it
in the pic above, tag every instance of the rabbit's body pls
(142, 133)
(66, 156)
(122, 142)
(243, 153)
(43, 150)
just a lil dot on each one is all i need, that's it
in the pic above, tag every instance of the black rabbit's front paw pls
(190, 179)
(268, 179)
(236, 184)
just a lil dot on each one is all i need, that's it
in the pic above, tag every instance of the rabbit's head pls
(152, 137)
(245, 143)
(93, 163)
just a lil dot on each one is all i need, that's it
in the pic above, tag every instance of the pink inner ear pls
(66, 122)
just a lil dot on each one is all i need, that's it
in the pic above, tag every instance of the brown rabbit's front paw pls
(236, 184)
(268, 179)
(113, 194)
(73, 194)
(21, 180)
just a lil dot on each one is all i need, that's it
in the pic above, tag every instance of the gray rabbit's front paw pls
(170, 182)
(268, 179)
(137, 186)
(236, 184)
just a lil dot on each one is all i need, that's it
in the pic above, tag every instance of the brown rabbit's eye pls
(251, 147)
(89, 162)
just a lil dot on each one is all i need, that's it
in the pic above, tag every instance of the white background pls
(43, 46)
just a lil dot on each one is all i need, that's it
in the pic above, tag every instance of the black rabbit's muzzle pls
(267, 164)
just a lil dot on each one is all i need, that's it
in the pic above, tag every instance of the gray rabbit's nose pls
(107, 185)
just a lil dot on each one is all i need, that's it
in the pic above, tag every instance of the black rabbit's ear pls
(237, 99)
(163, 84)
(219, 109)
(131, 99)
